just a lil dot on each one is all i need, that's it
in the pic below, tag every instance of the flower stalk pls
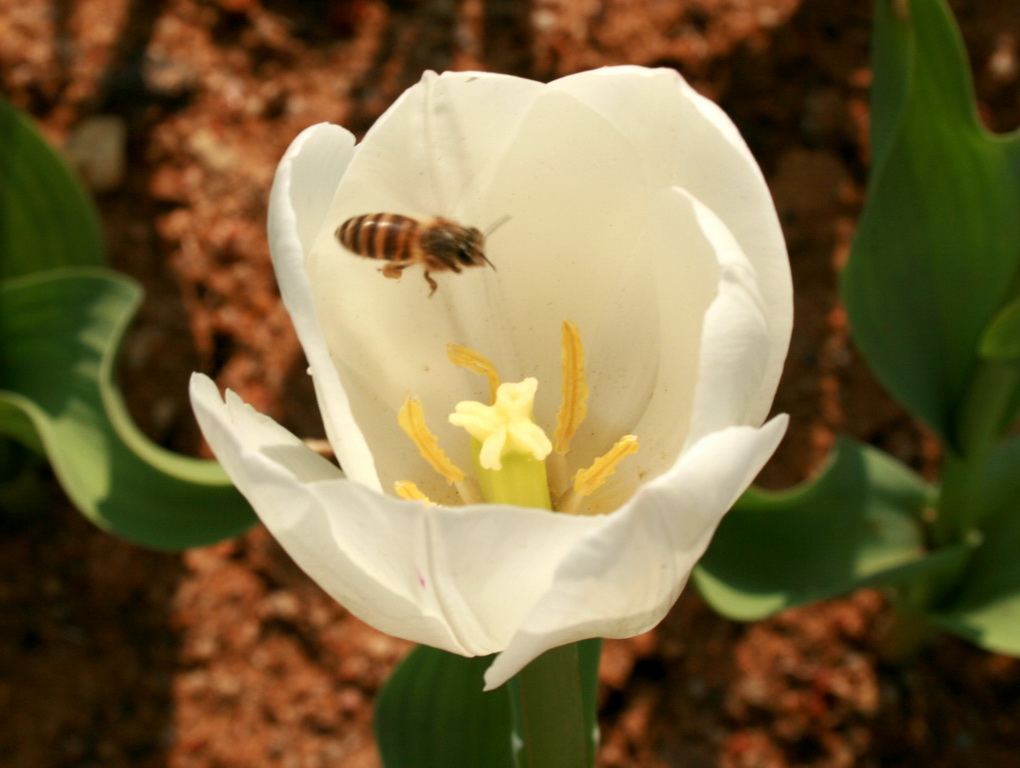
(979, 428)
(546, 697)
(548, 710)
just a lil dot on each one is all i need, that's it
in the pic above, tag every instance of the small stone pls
(96, 149)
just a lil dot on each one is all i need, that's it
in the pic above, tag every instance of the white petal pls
(682, 261)
(711, 338)
(305, 182)
(688, 141)
(433, 150)
(621, 578)
(577, 197)
(734, 355)
(280, 477)
(461, 579)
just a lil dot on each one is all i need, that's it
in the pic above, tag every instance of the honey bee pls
(438, 244)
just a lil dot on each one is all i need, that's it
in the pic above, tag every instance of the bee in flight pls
(439, 245)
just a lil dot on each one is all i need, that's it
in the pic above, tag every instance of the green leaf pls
(937, 251)
(985, 607)
(61, 330)
(856, 524)
(47, 219)
(433, 713)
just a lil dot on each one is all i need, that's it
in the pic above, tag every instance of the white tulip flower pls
(640, 304)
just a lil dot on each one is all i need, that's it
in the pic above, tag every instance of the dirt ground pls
(228, 656)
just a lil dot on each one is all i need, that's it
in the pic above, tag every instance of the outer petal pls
(688, 141)
(621, 578)
(279, 476)
(733, 364)
(476, 580)
(460, 578)
(305, 182)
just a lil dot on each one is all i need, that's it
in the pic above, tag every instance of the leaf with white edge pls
(937, 250)
(856, 524)
(61, 330)
(47, 219)
(433, 713)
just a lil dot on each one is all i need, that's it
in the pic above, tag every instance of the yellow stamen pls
(587, 481)
(574, 401)
(411, 418)
(411, 492)
(475, 362)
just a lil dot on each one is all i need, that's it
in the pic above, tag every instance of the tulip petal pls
(458, 578)
(305, 182)
(280, 476)
(711, 338)
(689, 142)
(734, 355)
(622, 578)
(434, 149)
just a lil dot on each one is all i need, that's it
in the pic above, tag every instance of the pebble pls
(96, 148)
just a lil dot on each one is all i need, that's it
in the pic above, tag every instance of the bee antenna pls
(496, 225)
(489, 263)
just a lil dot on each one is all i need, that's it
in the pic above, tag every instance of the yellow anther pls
(411, 418)
(574, 400)
(587, 481)
(411, 492)
(475, 362)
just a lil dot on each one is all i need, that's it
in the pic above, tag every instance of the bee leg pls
(394, 270)
(432, 283)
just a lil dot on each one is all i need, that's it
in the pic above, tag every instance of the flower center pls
(514, 460)
(509, 448)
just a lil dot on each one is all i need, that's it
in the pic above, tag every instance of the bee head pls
(472, 249)
(478, 241)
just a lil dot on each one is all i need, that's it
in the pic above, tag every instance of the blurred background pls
(176, 112)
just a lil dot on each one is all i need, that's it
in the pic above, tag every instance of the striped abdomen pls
(387, 236)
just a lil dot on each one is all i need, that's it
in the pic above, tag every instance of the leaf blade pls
(433, 713)
(61, 331)
(47, 220)
(938, 245)
(856, 524)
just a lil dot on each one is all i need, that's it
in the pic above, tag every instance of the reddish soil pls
(229, 656)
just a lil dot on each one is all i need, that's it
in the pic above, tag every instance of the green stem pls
(960, 490)
(985, 413)
(980, 425)
(546, 697)
(549, 712)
